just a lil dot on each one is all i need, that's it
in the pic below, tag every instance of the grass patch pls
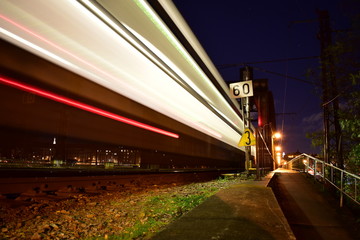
(158, 211)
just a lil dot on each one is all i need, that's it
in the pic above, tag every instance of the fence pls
(346, 183)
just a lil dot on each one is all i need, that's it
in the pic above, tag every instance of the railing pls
(346, 183)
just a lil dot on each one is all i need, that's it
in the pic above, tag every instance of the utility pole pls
(332, 131)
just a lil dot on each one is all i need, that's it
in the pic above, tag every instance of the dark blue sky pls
(234, 31)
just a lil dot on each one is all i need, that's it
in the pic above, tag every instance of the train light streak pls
(139, 61)
(43, 39)
(210, 131)
(114, 25)
(167, 33)
(33, 46)
(84, 107)
(178, 46)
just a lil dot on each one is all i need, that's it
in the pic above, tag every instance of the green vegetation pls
(346, 51)
(158, 210)
(345, 54)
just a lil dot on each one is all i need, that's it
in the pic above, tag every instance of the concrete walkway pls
(246, 211)
(308, 210)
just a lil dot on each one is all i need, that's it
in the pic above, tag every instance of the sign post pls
(244, 90)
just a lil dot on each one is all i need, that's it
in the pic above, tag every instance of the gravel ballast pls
(127, 214)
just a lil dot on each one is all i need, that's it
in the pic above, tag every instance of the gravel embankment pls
(128, 214)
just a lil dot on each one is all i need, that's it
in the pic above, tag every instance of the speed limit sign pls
(241, 89)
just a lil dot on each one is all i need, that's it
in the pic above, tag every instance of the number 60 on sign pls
(241, 89)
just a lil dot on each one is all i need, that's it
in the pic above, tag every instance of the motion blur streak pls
(31, 45)
(55, 46)
(128, 48)
(85, 107)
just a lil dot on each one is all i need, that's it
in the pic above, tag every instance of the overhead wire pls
(223, 66)
(285, 91)
(285, 76)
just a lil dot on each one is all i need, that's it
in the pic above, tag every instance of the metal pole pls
(257, 154)
(355, 189)
(341, 189)
(247, 120)
(315, 163)
(246, 75)
(306, 166)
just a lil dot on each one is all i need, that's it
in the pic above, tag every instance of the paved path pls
(246, 211)
(308, 211)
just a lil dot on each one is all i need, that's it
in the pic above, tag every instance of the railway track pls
(64, 186)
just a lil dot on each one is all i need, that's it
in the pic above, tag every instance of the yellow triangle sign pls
(247, 139)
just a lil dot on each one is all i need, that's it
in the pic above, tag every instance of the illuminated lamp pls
(85, 107)
(277, 135)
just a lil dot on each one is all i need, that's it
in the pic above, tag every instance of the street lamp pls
(275, 136)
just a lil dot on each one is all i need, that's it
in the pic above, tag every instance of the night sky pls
(234, 31)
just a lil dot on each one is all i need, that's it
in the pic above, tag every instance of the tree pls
(346, 55)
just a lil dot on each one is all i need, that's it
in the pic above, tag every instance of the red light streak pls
(84, 107)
